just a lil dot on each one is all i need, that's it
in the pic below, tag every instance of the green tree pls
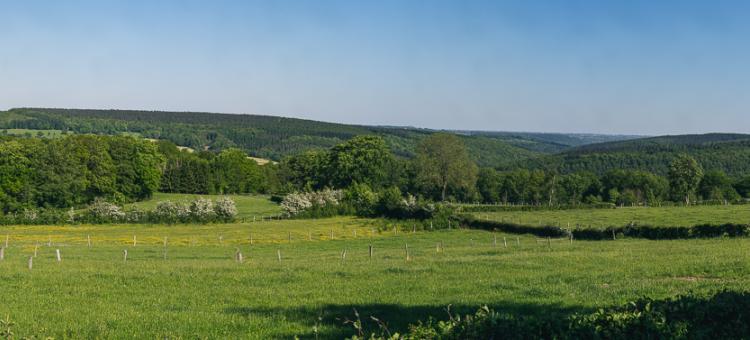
(234, 172)
(685, 174)
(443, 163)
(716, 185)
(362, 159)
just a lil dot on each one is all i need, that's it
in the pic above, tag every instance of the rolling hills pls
(276, 137)
(715, 151)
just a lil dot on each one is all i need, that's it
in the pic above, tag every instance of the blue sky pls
(641, 67)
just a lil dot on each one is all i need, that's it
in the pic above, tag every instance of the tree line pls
(73, 170)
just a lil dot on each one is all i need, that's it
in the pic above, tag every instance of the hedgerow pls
(608, 233)
(724, 315)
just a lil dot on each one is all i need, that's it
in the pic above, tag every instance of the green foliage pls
(724, 315)
(362, 159)
(717, 186)
(74, 170)
(442, 164)
(727, 152)
(272, 137)
(685, 175)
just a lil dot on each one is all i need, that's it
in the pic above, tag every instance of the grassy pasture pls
(664, 216)
(247, 205)
(199, 291)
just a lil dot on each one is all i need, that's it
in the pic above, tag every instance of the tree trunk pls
(445, 187)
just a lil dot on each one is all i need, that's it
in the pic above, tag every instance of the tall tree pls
(443, 163)
(685, 175)
(362, 159)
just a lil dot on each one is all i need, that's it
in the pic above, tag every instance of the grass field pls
(247, 205)
(199, 291)
(665, 216)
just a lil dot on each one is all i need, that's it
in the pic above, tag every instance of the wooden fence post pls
(2, 253)
(406, 247)
(505, 243)
(135, 241)
(57, 252)
(370, 251)
(31, 262)
(278, 253)
(88, 240)
(125, 255)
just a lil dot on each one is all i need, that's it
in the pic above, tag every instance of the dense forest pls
(73, 171)
(277, 137)
(729, 153)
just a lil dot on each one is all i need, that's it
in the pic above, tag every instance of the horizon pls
(578, 67)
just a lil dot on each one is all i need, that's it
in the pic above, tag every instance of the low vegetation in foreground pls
(310, 285)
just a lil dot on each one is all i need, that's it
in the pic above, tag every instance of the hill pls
(276, 137)
(715, 151)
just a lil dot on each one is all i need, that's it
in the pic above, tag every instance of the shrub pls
(724, 315)
(202, 209)
(314, 204)
(225, 209)
(362, 199)
(295, 203)
(103, 211)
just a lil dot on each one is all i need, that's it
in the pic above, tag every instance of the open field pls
(664, 216)
(199, 291)
(247, 205)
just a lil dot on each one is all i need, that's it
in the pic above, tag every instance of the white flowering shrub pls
(299, 202)
(71, 215)
(29, 215)
(169, 211)
(295, 203)
(225, 209)
(410, 202)
(102, 210)
(202, 209)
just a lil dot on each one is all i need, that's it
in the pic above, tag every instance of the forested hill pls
(727, 152)
(277, 137)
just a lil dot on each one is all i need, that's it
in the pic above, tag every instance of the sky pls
(616, 67)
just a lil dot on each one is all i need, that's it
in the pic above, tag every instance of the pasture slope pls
(195, 288)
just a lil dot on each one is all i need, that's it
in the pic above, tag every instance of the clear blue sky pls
(643, 67)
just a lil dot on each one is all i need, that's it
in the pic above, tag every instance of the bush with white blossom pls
(299, 202)
(225, 209)
(202, 209)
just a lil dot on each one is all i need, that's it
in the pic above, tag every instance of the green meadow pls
(195, 288)
(655, 216)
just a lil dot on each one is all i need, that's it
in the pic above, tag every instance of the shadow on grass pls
(331, 319)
